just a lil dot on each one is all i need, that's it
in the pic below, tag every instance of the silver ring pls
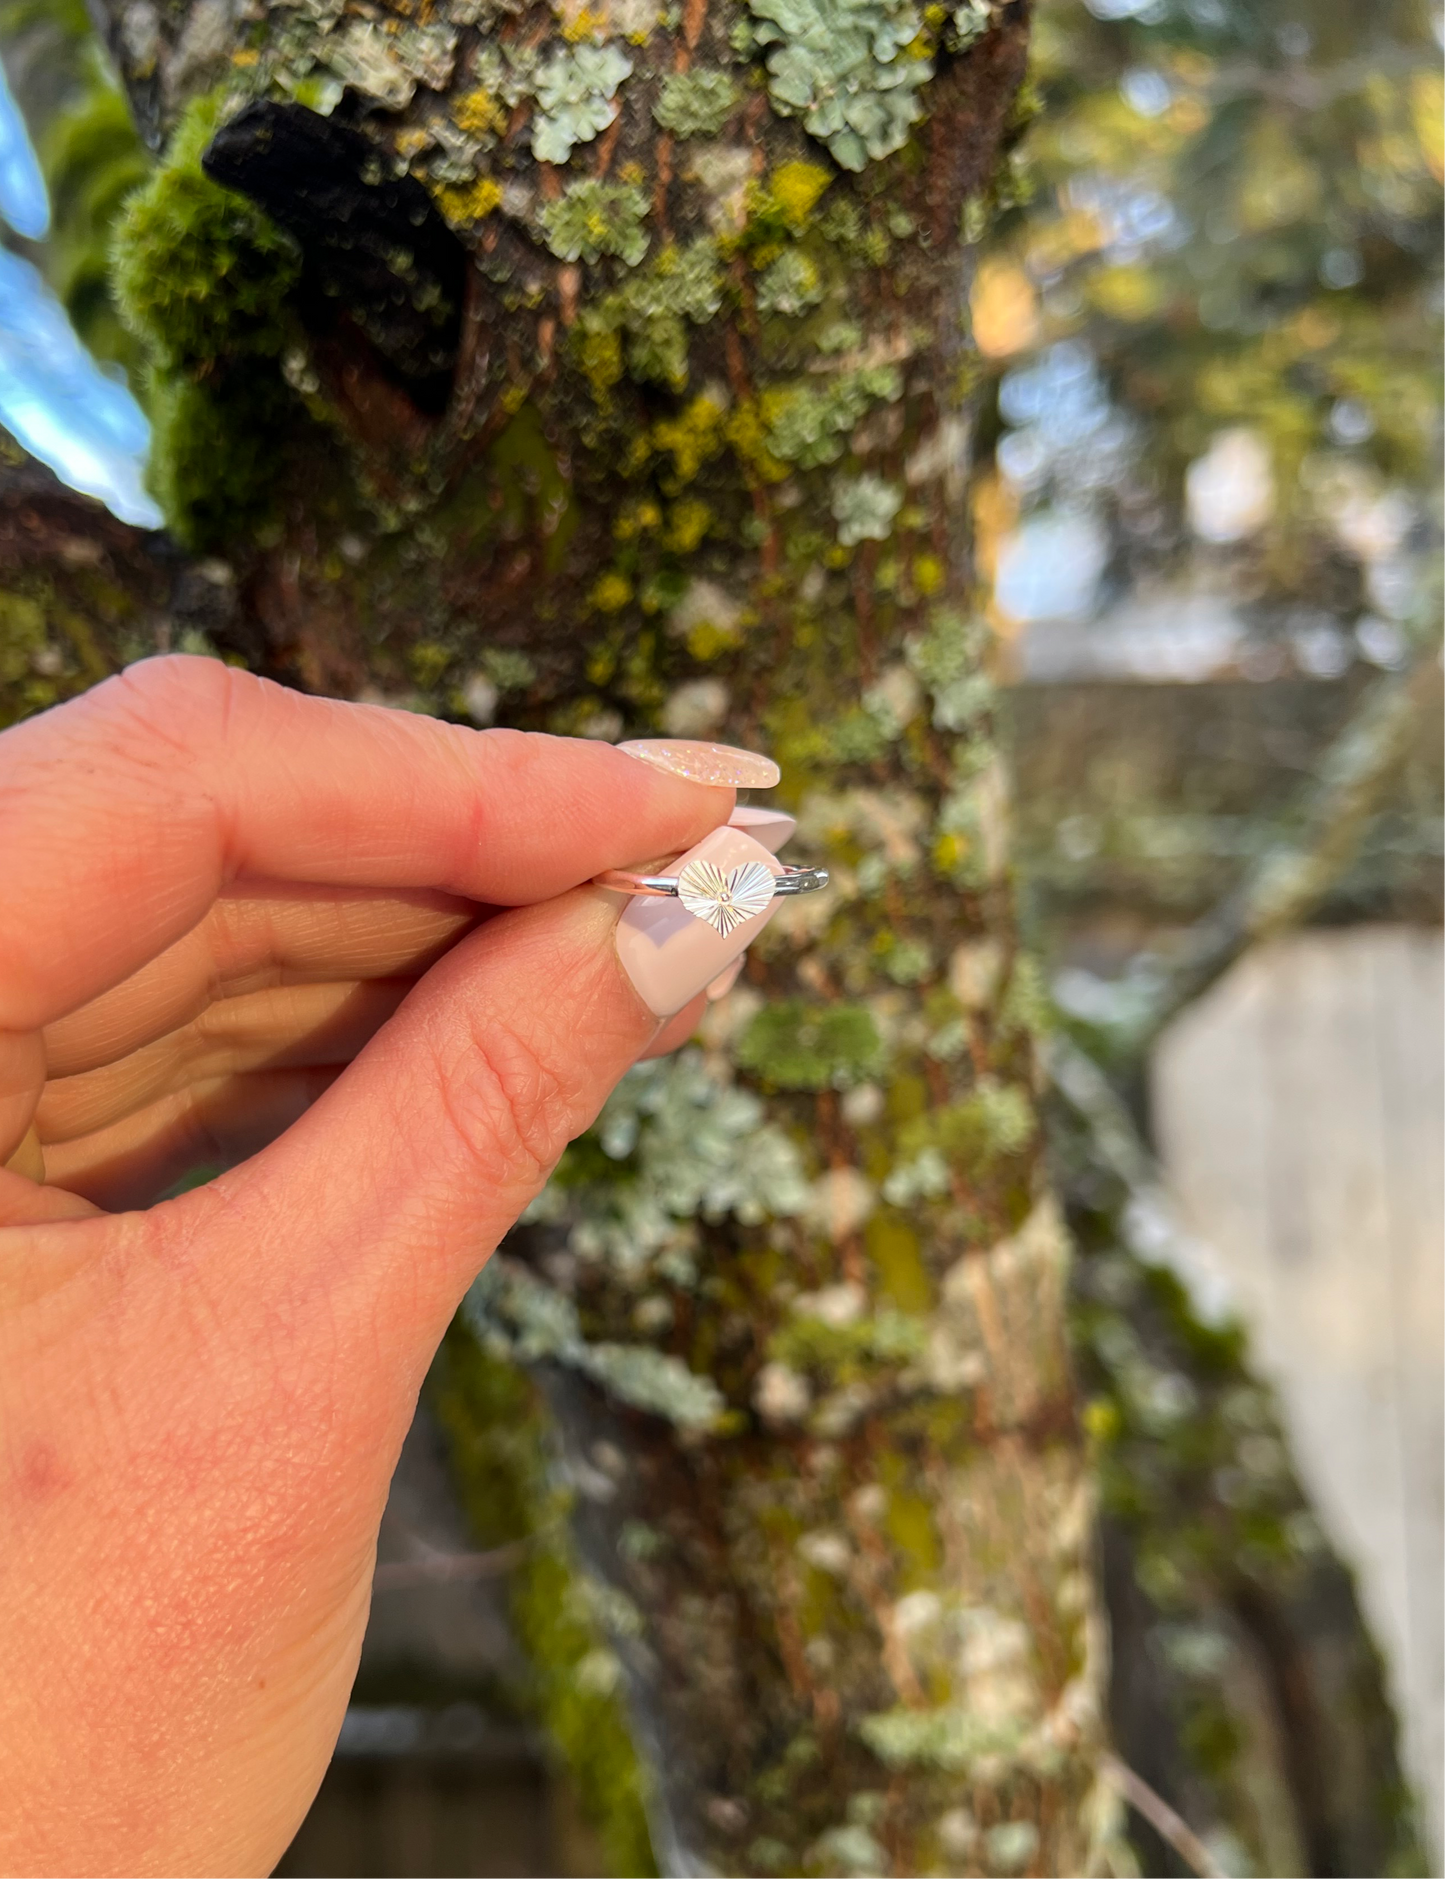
(723, 900)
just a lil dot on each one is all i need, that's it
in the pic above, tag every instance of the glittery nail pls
(718, 764)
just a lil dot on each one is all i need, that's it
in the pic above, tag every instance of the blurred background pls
(1207, 514)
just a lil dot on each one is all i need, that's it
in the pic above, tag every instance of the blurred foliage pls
(1214, 324)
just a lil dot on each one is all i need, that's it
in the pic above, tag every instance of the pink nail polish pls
(725, 981)
(669, 954)
(718, 764)
(771, 827)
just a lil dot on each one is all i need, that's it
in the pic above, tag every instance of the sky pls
(55, 400)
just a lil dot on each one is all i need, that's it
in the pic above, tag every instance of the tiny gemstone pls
(725, 901)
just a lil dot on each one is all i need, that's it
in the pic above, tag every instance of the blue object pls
(61, 407)
(55, 400)
(23, 201)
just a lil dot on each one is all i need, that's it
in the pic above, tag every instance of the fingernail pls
(771, 827)
(725, 981)
(719, 764)
(668, 953)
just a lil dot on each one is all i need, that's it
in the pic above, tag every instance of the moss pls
(200, 274)
(498, 1428)
(203, 280)
(996, 1120)
(696, 103)
(795, 1046)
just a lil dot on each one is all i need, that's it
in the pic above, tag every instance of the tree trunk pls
(612, 381)
(667, 431)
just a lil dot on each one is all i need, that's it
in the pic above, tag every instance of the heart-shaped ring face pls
(726, 900)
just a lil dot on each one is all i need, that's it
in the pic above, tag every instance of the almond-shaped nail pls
(718, 764)
(771, 827)
(670, 954)
(725, 981)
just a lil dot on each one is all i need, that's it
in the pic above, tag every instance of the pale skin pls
(240, 926)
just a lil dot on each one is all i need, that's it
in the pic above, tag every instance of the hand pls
(215, 895)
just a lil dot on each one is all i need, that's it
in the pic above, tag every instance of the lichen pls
(595, 218)
(791, 284)
(808, 422)
(576, 88)
(851, 69)
(679, 1144)
(864, 508)
(696, 103)
(648, 317)
(516, 1316)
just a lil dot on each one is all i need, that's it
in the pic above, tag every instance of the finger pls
(223, 1121)
(28, 1158)
(385, 1198)
(287, 1027)
(678, 1029)
(259, 935)
(149, 794)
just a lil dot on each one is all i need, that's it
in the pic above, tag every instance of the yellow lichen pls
(794, 189)
(687, 523)
(928, 573)
(468, 202)
(585, 25)
(611, 592)
(477, 113)
(692, 438)
(747, 433)
(637, 518)
(599, 353)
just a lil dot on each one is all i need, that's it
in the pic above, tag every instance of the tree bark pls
(645, 411)
(672, 434)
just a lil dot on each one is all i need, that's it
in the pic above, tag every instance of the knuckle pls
(511, 1106)
(181, 699)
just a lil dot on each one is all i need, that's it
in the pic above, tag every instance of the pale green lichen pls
(695, 103)
(969, 22)
(595, 218)
(948, 656)
(864, 508)
(517, 1316)
(808, 423)
(848, 68)
(693, 1147)
(791, 284)
(651, 313)
(575, 92)
(950, 1737)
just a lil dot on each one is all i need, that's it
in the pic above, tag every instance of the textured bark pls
(718, 435)
(81, 590)
(818, 1433)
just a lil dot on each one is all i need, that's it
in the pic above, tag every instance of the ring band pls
(723, 900)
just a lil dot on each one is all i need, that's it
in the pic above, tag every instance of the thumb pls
(364, 1223)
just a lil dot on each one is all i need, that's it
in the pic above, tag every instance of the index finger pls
(123, 814)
